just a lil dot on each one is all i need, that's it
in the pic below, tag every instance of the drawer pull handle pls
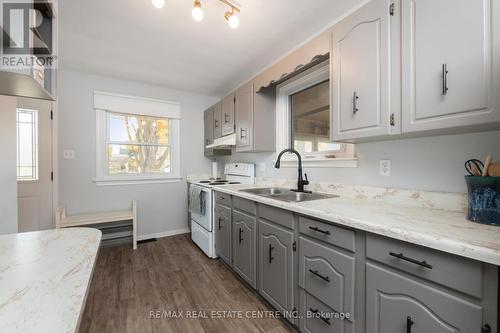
(325, 278)
(326, 232)
(221, 198)
(409, 324)
(315, 311)
(413, 261)
(271, 248)
(240, 239)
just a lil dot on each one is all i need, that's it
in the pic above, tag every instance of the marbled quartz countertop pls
(44, 279)
(444, 230)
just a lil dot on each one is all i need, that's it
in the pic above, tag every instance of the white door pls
(34, 164)
(361, 73)
(447, 64)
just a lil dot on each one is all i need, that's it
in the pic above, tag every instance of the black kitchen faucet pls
(300, 181)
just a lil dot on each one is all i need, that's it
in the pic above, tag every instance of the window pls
(310, 115)
(137, 144)
(27, 145)
(133, 146)
(303, 121)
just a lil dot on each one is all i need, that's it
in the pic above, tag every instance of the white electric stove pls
(202, 222)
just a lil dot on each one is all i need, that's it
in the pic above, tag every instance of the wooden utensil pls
(487, 163)
(494, 170)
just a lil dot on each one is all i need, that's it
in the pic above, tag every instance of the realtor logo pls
(27, 34)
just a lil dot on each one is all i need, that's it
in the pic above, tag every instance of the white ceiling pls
(133, 40)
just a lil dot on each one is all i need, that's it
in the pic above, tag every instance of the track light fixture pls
(231, 15)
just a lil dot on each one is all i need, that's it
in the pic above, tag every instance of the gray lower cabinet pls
(244, 251)
(222, 229)
(396, 303)
(316, 317)
(276, 279)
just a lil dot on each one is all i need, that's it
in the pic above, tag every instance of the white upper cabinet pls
(447, 58)
(361, 74)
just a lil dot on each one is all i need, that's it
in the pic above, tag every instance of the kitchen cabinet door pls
(244, 263)
(228, 115)
(396, 303)
(361, 74)
(217, 120)
(447, 64)
(276, 265)
(208, 117)
(244, 117)
(222, 229)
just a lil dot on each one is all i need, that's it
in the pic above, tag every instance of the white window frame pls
(150, 107)
(346, 155)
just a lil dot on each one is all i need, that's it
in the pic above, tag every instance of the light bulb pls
(233, 21)
(197, 11)
(158, 3)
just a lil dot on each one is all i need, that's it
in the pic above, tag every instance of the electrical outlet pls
(68, 154)
(385, 168)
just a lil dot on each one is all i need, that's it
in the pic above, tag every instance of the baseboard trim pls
(164, 234)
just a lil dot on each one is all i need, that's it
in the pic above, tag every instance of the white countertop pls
(44, 279)
(438, 229)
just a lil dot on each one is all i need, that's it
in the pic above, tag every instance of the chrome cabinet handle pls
(401, 256)
(271, 248)
(315, 272)
(355, 98)
(242, 130)
(445, 79)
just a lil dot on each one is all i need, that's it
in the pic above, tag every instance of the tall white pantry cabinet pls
(415, 67)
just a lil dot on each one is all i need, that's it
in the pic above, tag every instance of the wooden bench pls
(64, 221)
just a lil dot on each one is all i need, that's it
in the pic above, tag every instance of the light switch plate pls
(385, 168)
(68, 154)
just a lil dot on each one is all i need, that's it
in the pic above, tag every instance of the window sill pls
(322, 163)
(115, 181)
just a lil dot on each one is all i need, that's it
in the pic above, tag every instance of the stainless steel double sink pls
(287, 195)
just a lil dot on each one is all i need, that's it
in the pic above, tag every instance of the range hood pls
(225, 142)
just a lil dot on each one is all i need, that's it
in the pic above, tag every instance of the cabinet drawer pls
(396, 303)
(327, 233)
(330, 322)
(223, 199)
(244, 205)
(327, 274)
(455, 272)
(276, 215)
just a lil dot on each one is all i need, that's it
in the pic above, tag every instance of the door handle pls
(409, 324)
(326, 232)
(315, 272)
(401, 256)
(240, 239)
(271, 248)
(355, 98)
(445, 79)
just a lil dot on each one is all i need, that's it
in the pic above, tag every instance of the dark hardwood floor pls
(171, 274)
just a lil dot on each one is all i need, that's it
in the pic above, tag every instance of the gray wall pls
(428, 163)
(161, 207)
(8, 165)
